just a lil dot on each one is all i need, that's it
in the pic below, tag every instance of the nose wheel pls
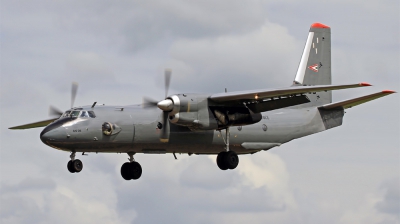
(74, 165)
(131, 170)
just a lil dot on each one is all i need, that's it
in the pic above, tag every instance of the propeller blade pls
(53, 111)
(164, 134)
(167, 74)
(148, 102)
(74, 90)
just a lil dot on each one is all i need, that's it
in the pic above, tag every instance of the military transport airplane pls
(251, 121)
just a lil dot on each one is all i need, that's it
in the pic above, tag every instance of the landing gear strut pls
(74, 165)
(131, 170)
(227, 159)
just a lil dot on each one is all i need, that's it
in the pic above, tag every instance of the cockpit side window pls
(75, 113)
(84, 114)
(91, 114)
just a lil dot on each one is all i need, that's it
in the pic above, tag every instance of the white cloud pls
(261, 58)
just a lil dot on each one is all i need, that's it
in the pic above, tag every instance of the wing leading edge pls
(280, 92)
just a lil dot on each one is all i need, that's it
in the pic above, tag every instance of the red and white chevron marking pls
(313, 67)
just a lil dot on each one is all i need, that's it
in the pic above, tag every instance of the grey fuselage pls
(136, 131)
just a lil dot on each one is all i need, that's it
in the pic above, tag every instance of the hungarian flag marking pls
(313, 67)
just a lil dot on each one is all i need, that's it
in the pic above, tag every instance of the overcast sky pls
(117, 51)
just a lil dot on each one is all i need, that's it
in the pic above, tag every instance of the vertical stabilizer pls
(315, 63)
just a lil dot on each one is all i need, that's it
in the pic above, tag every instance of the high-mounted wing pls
(34, 125)
(346, 104)
(280, 92)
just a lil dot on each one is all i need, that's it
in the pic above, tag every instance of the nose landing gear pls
(74, 165)
(131, 170)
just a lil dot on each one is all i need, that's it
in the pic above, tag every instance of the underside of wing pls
(346, 104)
(34, 125)
(280, 92)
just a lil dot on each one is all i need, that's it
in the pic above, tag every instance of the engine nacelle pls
(197, 112)
(191, 110)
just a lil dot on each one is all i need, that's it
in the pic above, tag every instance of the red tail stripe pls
(319, 25)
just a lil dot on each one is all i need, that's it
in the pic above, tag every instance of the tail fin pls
(315, 63)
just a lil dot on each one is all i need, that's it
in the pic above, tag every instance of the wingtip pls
(388, 91)
(319, 25)
(365, 84)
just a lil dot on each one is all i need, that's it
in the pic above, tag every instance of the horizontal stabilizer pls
(356, 101)
(34, 125)
(287, 91)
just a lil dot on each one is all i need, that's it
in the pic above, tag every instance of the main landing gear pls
(74, 165)
(228, 159)
(131, 170)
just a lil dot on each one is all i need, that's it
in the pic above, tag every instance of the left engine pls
(200, 113)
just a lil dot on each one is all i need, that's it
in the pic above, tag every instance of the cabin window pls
(91, 114)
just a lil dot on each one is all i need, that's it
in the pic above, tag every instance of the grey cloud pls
(171, 200)
(253, 60)
(89, 67)
(20, 210)
(391, 201)
(29, 184)
(140, 24)
(201, 174)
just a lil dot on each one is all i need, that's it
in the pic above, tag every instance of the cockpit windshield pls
(66, 113)
(75, 113)
(79, 113)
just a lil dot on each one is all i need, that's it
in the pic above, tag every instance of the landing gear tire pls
(75, 166)
(131, 170)
(231, 160)
(69, 166)
(227, 160)
(221, 164)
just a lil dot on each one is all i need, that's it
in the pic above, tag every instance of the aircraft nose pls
(51, 134)
(46, 136)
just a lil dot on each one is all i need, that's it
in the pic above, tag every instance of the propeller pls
(149, 102)
(74, 90)
(165, 105)
(53, 112)
(164, 135)
(167, 76)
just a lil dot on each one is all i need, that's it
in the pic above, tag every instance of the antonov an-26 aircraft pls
(227, 123)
